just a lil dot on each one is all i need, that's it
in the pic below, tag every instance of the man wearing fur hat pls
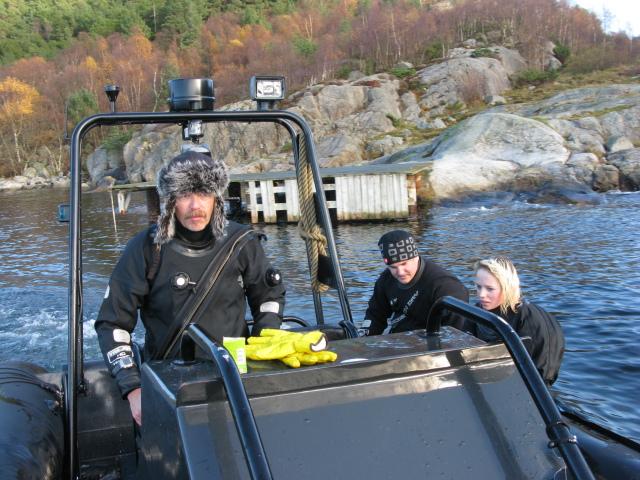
(193, 266)
(409, 286)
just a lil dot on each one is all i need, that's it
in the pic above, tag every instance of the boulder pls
(30, 172)
(555, 193)
(339, 101)
(410, 109)
(146, 153)
(42, 170)
(384, 146)
(494, 100)
(38, 181)
(606, 177)
(628, 164)
(21, 179)
(511, 60)
(367, 122)
(618, 143)
(589, 123)
(61, 182)
(403, 65)
(549, 61)
(105, 183)
(437, 124)
(582, 166)
(487, 151)
(11, 184)
(384, 99)
(102, 160)
(339, 150)
(578, 139)
(44, 156)
(459, 52)
(460, 80)
(624, 121)
(552, 63)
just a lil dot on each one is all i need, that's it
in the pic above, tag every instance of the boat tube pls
(31, 415)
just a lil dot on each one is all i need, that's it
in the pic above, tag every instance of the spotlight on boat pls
(193, 130)
(191, 94)
(266, 90)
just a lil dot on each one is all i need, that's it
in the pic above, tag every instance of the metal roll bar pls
(244, 420)
(558, 432)
(75, 352)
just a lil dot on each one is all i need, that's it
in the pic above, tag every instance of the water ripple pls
(579, 262)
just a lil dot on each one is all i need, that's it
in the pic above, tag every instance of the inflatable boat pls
(431, 403)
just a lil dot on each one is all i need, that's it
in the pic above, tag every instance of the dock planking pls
(353, 193)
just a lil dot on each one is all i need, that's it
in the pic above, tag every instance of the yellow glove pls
(272, 344)
(275, 332)
(292, 348)
(270, 351)
(298, 358)
(314, 341)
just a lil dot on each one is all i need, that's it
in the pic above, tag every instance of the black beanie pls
(397, 246)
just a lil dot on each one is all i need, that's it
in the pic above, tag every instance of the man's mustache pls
(196, 213)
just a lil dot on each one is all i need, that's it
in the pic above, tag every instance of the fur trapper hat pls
(190, 172)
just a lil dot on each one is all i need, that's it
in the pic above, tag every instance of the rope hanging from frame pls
(308, 227)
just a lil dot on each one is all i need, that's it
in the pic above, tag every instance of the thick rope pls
(308, 226)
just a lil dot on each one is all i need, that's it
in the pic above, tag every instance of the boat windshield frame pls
(293, 123)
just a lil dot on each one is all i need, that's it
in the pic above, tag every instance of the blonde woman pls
(498, 290)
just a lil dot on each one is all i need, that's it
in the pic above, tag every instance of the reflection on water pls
(579, 262)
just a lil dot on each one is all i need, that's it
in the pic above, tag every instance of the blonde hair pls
(507, 276)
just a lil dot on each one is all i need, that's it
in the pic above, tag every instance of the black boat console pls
(406, 403)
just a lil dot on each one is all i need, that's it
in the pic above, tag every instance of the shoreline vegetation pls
(57, 75)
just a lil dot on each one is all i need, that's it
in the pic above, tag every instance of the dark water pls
(580, 262)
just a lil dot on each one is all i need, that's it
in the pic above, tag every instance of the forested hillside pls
(57, 53)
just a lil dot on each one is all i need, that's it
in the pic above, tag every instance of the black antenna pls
(66, 120)
(112, 92)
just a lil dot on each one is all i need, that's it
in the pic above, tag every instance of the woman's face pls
(488, 289)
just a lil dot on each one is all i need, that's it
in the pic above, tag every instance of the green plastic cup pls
(235, 346)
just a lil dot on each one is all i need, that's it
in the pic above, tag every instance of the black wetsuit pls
(547, 340)
(183, 260)
(395, 307)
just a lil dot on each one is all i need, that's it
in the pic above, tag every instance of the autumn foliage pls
(309, 42)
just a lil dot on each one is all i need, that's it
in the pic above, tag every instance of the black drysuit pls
(182, 263)
(547, 340)
(397, 307)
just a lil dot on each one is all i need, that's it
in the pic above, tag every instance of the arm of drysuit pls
(265, 296)
(118, 316)
(547, 340)
(451, 286)
(378, 311)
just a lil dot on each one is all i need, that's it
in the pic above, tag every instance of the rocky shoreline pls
(568, 147)
(22, 182)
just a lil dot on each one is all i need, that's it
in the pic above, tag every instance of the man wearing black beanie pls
(406, 290)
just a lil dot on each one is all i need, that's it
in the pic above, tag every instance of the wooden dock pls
(368, 192)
